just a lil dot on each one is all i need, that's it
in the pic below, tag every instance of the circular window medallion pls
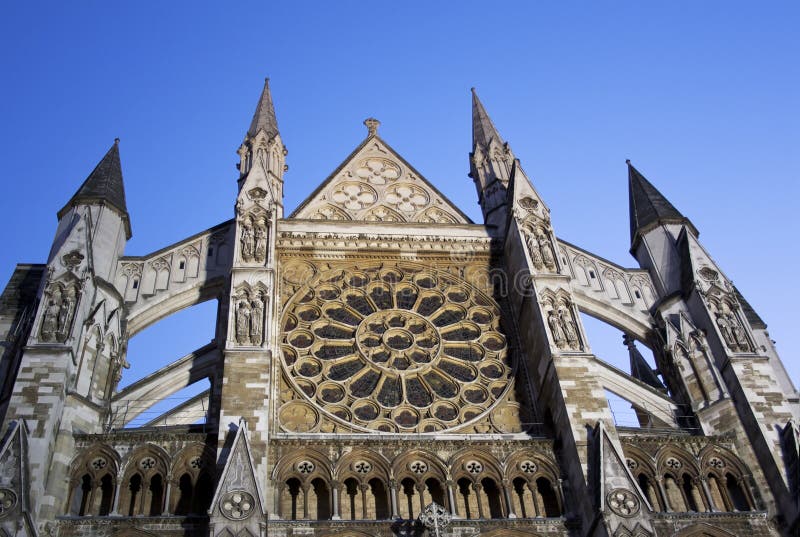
(98, 463)
(623, 502)
(401, 346)
(237, 505)
(7, 501)
(147, 463)
(527, 467)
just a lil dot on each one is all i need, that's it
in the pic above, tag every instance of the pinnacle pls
(648, 206)
(264, 117)
(483, 130)
(103, 186)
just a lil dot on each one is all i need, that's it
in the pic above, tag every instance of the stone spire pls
(104, 186)
(640, 369)
(264, 118)
(483, 130)
(648, 207)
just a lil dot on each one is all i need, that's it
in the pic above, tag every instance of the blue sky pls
(702, 96)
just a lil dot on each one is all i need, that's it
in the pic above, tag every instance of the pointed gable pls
(238, 496)
(375, 184)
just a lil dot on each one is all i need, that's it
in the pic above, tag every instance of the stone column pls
(451, 499)
(477, 487)
(167, 493)
(364, 488)
(421, 492)
(393, 498)
(537, 500)
(305, 488)
(509, 503)
(663, 493)
(707, 493)
(335, 493)
(117, 494)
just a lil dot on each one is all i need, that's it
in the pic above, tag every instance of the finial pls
(472, 89)
(628, 161)
(116, 141)
(628, 341)
(372, 125)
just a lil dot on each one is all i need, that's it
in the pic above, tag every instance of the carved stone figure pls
(725, 328)
(570, 328)
(555, 328)
(65, 312)
(243, 323)
(248, 241)
(547, 253)
(739, 335)
(257, 322)
(50, 319)
(536, 255)
(260, 233)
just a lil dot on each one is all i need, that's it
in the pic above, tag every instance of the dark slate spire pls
(640, 369)
(104, 186)
(648, 207)
(483, 130)
(264, 118)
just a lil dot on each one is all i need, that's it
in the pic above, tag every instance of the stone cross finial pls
(372, 125)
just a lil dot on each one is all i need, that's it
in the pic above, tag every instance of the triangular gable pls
(375, 184)
(619, 495)
(14, 482)
(238, 500)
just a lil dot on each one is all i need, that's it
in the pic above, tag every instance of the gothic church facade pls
(377, 352)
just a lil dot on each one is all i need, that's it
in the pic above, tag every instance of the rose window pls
(237, 505)
(395, 348)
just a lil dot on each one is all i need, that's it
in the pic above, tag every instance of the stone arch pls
(680, 478)
(362, 479)
(144, 314)
(418, 475)
(305, 479)
(642, 468)
(479, 483)
(191, 478)
(93, 481)
(725, 475)
(533, 485)
(615, 316)
(143, 486)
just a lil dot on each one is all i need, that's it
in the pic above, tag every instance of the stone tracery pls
(396, 347)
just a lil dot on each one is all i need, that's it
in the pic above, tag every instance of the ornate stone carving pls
(298, 417)
(623, 502)
(354, 196)
(560, 318)
(362, 467)
(473, 467)
(249, 315)
(725, 311)
(418, 467)
(305, 467)
(72, 259)
(528, 466)
(237, 505)
(60, 301)
(8, 500)
(407, 198)
(253, 238)
(378, 171)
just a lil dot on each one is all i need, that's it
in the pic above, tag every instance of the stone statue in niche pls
(536, 254)
(58, 312)
(243, 322)
(254, 239)
(547, 252)
(569, 327)
(555, 328)
(50, 318)
(260, 231)
(248, 241)
(257, 321)
(725, 329)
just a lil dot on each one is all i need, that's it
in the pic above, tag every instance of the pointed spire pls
(264, 118)
(483, 130)
(640, 369)
(103, 186)
(648, 206)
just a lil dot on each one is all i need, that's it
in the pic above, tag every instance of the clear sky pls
(702, 96)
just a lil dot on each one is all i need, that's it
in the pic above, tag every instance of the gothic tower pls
(383, 366)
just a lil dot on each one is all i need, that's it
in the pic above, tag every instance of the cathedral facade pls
(383, 366)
